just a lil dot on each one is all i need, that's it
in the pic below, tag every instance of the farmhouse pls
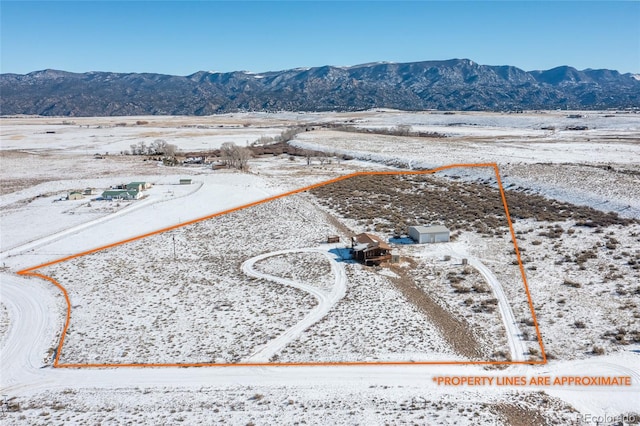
(75, 195)
(138, 186)
(120, 194)
(429, 234)
(370, 249)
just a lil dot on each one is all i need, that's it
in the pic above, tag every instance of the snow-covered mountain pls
(456, 84)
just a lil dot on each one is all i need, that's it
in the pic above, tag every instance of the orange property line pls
(301, 364)
(56, 363)
(520, 264)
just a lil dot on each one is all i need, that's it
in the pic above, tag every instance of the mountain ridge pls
(454, 84)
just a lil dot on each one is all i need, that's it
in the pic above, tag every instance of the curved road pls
(34, 323)
(514, 335)
(326, 299)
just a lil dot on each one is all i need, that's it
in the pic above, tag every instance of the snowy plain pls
(37, 168)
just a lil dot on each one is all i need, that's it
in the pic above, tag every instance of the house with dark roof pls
(370, 249)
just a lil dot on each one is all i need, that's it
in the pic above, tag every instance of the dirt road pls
(326, 299)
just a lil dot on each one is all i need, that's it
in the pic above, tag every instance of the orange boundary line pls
(520, 264)
(56, 363)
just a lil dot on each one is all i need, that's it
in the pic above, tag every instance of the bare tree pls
(402, 130)
(170, 150)
(243, 155)
(324, 157)
(158, 147)
(141, 148)
(226, 153)
(264, 140)
(289, 134)
(235, 156)
(161, 147)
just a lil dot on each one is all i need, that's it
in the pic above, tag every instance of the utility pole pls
(173, 237)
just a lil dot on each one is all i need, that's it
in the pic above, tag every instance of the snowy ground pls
(582, 280)
(95, 135)
(4, 323)
(207, 309)
(307, 267)
(289, 404)
(52, 214)
(560, 163)
(584, 283)
(373, 323)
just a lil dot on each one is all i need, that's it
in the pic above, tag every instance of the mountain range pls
(456, 84)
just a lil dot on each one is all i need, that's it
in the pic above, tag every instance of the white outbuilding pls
(429, 234)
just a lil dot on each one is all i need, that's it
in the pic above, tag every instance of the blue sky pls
(184, 37)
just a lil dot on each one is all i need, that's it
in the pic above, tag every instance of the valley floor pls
(259, 285)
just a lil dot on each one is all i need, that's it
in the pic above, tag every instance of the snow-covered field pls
(91, 136)
(561, 163)
(573, 146)
(585, 282)
(195, 307)
(260, 284)
(373, 323)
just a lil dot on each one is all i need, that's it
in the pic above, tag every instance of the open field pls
(283, 405)
(534, 150)
(207, 309)
(260, 285)
(204, 267)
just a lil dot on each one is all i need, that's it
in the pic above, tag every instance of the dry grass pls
(309, 268)
(455, 330)
(139, 303)
(391, 203)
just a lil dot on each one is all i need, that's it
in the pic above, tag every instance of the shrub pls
(580, 324)
(573, 284)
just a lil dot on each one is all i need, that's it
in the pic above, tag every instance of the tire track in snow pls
(32, 319)
(514, 335)
(326, 300)
(32, 326)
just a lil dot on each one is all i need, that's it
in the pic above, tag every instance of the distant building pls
(90, 191)
(429, 234)
(120, 194)
(138, 186)
(185, 181)
(75, 195)
(370, 249)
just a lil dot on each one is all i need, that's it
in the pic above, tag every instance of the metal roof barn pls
(429, 234)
